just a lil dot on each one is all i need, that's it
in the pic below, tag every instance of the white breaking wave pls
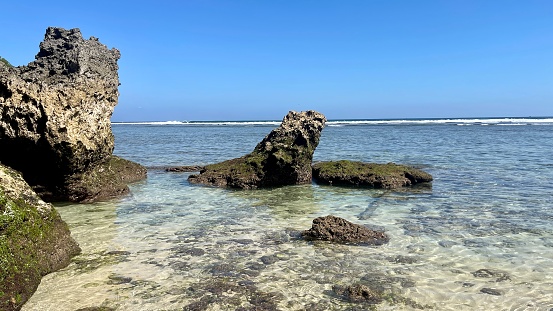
(338, 123)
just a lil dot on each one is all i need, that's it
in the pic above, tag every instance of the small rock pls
(491, 291)
(118, 279)
(336, 229)
(357, 293)
(269, 260)
(489, 273)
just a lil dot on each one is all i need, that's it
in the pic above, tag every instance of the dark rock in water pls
(118, 279)
(491, 291)
(184, 169)
(282, 158)
(402, 259)
(352, 173)
(269, 259)
(447, 244)
(55, 119)
(358, 293)
(489, 273)
(34, 240)
(336, 229)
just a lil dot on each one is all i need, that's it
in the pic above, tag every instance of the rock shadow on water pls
(283, 202)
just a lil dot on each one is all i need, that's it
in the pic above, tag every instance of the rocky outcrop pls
(352, 173)
(283, 157)
(55, 113)
(34, 240)
(336, 229)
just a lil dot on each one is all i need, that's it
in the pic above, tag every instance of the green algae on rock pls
(104, 181)
(283, 157)
(354, 173)
(34, 240)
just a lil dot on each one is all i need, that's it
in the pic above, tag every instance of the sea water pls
(480, 237)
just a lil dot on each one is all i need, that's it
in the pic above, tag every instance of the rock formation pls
(336, 229)
(34, 240)
(55, 116)
(386, 176)
(283, 157)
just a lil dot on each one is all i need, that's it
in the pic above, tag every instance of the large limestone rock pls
(55, 113)
(34, 240)
(373, 175)
(283, 157)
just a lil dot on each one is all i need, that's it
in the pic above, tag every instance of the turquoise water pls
(480, 238)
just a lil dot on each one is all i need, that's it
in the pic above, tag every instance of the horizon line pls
(346, 119)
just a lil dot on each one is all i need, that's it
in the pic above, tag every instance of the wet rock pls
(118, 253)
(96, 309)
(184, 250)
(402, 259)
(490, 273)
(55, 120)
(223, 270)
(336, 229)
(447, 244)
(220, 294)
(358, 293)
(184, 169)
(269, 260)
(381, 282)
(180, 266)
(282, 158)
(491, 291)
(256, 266)
(34, 240)
(242, 241)
(263, 301)
(118, 279)
(352, 173)
(246, 283)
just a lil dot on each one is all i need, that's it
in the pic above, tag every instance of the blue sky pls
(255, 59)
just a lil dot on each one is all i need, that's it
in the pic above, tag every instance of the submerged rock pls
(55, 117)
(283, 157)
(336, 229)
(386, 176)
(184, 169)
(499, 275)
(358, 293)
(34, 240)
(491, 291)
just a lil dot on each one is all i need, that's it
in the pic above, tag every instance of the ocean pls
(480, 237)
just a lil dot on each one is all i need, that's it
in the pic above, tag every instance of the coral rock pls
(55, 112)
(336, 229)
(283, 157)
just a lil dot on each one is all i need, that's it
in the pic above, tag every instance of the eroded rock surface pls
(34, 240)
(353, 173)
(283, 157)
(336, 229)
(55, 112)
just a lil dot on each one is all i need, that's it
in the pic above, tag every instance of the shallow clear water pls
(175, 246)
